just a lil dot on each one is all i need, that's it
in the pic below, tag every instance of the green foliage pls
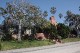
(73, 20)
(23, 14)
(32, 17)
(63, 30)
(46, 27)
(42, 25)
(53, 30)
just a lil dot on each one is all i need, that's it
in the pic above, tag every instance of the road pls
(74, 48)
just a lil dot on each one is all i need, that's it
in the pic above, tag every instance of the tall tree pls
(73, 20)
(45, 13)
(25, 14)
(53, 10)
(79, 8)
(60, 15)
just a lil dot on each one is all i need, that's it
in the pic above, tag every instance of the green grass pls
(8, 45)
(70, 40)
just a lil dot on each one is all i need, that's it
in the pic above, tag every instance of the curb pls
(39, 48)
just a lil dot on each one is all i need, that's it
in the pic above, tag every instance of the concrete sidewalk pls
(39, 48)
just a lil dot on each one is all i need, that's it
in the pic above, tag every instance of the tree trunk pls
(19, 32)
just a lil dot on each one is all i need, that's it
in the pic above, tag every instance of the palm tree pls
(79, 8)
(53, 10)
(45, 13)
(69, 13)
(60, 15)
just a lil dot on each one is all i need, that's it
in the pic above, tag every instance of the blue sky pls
(61, 5)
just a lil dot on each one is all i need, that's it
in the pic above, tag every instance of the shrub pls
(63, 30)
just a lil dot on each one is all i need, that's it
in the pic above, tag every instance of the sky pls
(61, 5)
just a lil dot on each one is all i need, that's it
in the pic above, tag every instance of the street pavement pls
(72, 47)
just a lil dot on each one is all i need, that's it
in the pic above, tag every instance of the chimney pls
(53, 21)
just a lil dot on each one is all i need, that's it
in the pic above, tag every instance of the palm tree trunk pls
(19, 32)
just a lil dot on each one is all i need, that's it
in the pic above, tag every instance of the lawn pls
(70, 40)
(8, 45)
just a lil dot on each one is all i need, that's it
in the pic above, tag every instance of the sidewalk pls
(39, 48)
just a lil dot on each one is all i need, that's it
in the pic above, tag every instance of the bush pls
(51, 30)
(63, 30)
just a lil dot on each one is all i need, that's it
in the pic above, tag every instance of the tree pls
(53, 10)
(45, 13)
(23, 13)
(73, 20)
(79, 8)
(63, 30)
(60, 15)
